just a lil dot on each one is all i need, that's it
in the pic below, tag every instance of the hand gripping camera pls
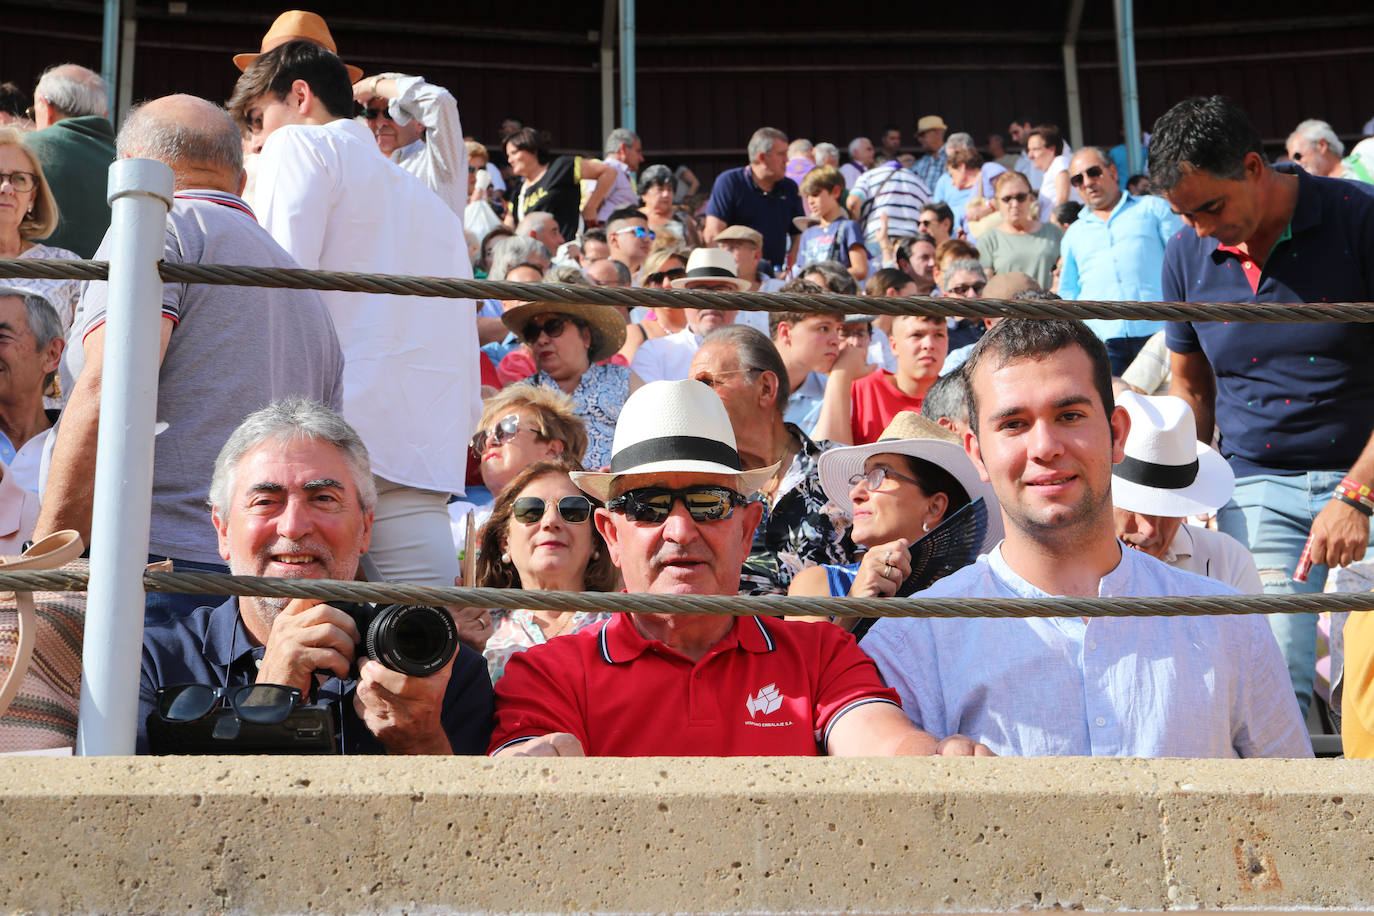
(410, 638)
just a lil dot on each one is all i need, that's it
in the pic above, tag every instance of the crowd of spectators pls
(548, 446)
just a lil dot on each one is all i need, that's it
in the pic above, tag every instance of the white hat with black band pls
(1167, 472)
(673, 427)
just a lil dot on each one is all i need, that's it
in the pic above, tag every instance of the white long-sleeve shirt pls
(440, 158)
(411, 383)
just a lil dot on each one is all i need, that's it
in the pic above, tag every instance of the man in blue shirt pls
(1044, 431)
(1294, 402)
(292, 497)
(1114, 252)
(758, 195)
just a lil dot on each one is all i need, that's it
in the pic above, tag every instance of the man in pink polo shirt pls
(677, 521)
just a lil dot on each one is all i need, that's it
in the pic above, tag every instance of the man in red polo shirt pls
(676, 522)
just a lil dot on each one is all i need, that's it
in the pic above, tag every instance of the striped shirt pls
(894, 191)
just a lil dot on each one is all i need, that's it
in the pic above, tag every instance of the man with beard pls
(292, 497)
(1044, 431)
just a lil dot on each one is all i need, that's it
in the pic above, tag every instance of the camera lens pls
(412, 639)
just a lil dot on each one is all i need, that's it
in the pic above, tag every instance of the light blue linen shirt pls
(804, 404)
(1120, 259)
(1111, 687)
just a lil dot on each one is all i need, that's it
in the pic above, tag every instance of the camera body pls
(413, 639)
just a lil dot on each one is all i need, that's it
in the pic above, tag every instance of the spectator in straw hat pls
(568, 343)
(677, 521)
(1167, 475)
(709, 270)
(1045, 434)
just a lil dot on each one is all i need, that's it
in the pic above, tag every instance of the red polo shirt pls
(768, 688)
(874, 400)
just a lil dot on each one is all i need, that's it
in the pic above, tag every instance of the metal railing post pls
(140, 194)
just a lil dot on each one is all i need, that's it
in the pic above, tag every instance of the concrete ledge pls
(376, 835)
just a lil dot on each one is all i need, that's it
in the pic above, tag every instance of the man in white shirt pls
(861, 155)
(416, 125)
(1044, 432)
(1167, 475)
(670, 358)
(411, 385)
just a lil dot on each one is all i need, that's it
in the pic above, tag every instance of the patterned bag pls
(40, 652)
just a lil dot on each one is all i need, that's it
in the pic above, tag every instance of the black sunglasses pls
(554, 327)
(504, 430)
(1019, 198)
(528, 510)
(672, 273)
(1093, 171)
(373, 114)
(261, 704)
(655, 504)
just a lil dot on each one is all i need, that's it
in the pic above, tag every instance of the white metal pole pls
(140, 193)
(1130, 92)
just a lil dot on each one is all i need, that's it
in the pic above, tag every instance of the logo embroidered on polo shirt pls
(767, 701)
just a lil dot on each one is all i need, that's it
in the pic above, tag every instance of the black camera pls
(413, 639)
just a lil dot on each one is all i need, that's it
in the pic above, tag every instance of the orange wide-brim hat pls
(297, 25)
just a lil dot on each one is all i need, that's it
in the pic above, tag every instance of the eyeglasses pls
(713, 378)
(673, 273)
(965, 289)
(873, 479)
(373, 114)
(655, 504)
(261, 704)
(529, 510)
(640, 232)
(1093, 171)
(554, 327)
(926, 222)
(20, 181)
(1019, 198)
(504, 430)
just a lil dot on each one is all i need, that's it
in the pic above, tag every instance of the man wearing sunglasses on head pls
(1114, 251)
(292, 497)
(417, 127)
(678, 521)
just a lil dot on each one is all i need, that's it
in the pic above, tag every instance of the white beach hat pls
(673, 426)
(1167, 471)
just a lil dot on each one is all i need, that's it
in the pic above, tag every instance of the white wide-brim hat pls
(711, 265)
(911, 434)
(1167, 471)
(673, 427)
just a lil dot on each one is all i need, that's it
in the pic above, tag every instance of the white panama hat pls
(1167, 471)
(913, 435)
(673, 427)
(710, 265)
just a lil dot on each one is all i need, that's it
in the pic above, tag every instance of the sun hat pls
(673, 426)
(1167, 471)
(711, 265)
(606, 324)
(913, 435)
(931, 122)
(297, 25)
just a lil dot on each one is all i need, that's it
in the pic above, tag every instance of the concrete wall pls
(370, 835)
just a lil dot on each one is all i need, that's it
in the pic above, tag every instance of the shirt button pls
(1092, 646)
(1101, 721)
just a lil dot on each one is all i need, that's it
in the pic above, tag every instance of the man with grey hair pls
(760, 196)
(1313, 144)
(31, 345)
(225, 350)
(826, 154)
(292, 497)
(861, 155)
(541, 226)
(624, 152)
(74, 143)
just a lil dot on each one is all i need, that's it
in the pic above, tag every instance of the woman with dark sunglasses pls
(541, 537)
(1020, 242)
(568, 344)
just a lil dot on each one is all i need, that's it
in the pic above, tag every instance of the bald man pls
(225, 350)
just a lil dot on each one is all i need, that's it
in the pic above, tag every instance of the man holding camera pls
(292, 497)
